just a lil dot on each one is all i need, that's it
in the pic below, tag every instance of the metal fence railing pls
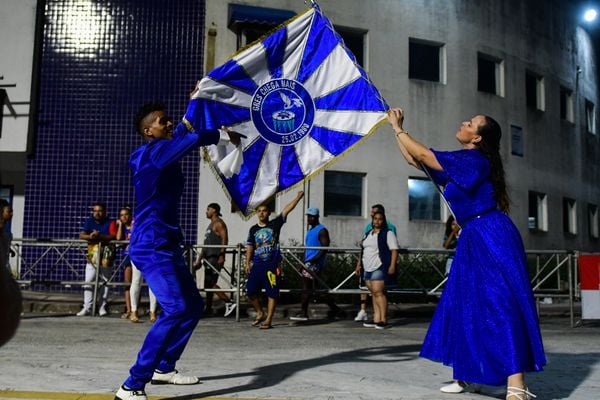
(58, 266)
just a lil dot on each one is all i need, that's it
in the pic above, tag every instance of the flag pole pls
(426, 170)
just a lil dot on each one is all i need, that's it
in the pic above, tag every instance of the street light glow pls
(590, 15)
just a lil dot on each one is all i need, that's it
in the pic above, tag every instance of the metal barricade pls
(422, 272)
(230, 274)
(58, 265)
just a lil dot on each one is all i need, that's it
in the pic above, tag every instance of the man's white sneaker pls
(102, 312)
(83, 313)
(173, 378)
(299, 317)
(229, 308)
(125, 394)
(361, 316)
(460, 387)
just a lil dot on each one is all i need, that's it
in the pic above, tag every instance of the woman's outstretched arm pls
(414, 152)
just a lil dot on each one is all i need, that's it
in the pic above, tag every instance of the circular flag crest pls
(282, 111)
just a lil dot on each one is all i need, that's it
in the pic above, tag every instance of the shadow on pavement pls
(274, 374)
(562, 375)
(560, 378)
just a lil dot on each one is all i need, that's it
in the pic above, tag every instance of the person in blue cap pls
(156, 244)
(317, 235)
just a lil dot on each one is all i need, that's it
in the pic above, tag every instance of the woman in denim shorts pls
(378, 259)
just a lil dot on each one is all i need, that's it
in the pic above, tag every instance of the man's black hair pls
(143, 112)
(266, 205)
(379, 207)
(99, 204)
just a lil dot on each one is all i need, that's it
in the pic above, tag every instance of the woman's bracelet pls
(398, 133)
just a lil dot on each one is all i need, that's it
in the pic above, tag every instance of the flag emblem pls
(301, 99)
(282, 111)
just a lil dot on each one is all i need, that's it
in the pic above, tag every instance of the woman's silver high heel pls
(519, 393)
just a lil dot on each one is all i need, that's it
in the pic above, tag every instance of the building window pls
(249, 34)
(423, 200)
(250, 23)
(534, 91)
(490, 74)
(538, 212)
(354, 39)
(590, 117)
(593, 221)
(344, 193)
(6, 193)
(426, 60)
(569, 216)
(566, 105)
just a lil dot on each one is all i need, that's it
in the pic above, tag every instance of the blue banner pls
(300, 98)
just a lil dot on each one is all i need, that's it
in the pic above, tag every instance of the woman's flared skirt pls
(486, 326)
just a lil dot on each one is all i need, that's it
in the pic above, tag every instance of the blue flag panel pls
(300, 98)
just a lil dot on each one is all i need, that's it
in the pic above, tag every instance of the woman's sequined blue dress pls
(485, 326)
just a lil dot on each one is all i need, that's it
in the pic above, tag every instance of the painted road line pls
(15, 394)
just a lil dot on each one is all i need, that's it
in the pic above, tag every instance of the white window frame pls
(590, 117)
(540, 221)
(540, 98)
(570, 210)
(541, 93)
(568, 95)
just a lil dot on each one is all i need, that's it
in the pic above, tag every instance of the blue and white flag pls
(300, 98)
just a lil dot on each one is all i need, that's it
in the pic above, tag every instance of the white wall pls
(17, 30)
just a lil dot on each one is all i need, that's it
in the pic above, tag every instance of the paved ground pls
(53, 357)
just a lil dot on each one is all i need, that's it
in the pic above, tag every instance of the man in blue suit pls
(156, 244)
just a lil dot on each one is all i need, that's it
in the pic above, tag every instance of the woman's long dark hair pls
(449, 222)
(490, 146)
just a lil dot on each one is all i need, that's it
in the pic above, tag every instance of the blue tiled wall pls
(101, 60)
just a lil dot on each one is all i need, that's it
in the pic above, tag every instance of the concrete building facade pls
(528, 64)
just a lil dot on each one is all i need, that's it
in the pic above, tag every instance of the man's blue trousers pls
(182, 307)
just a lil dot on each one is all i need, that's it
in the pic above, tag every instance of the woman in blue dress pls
(485, 326)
